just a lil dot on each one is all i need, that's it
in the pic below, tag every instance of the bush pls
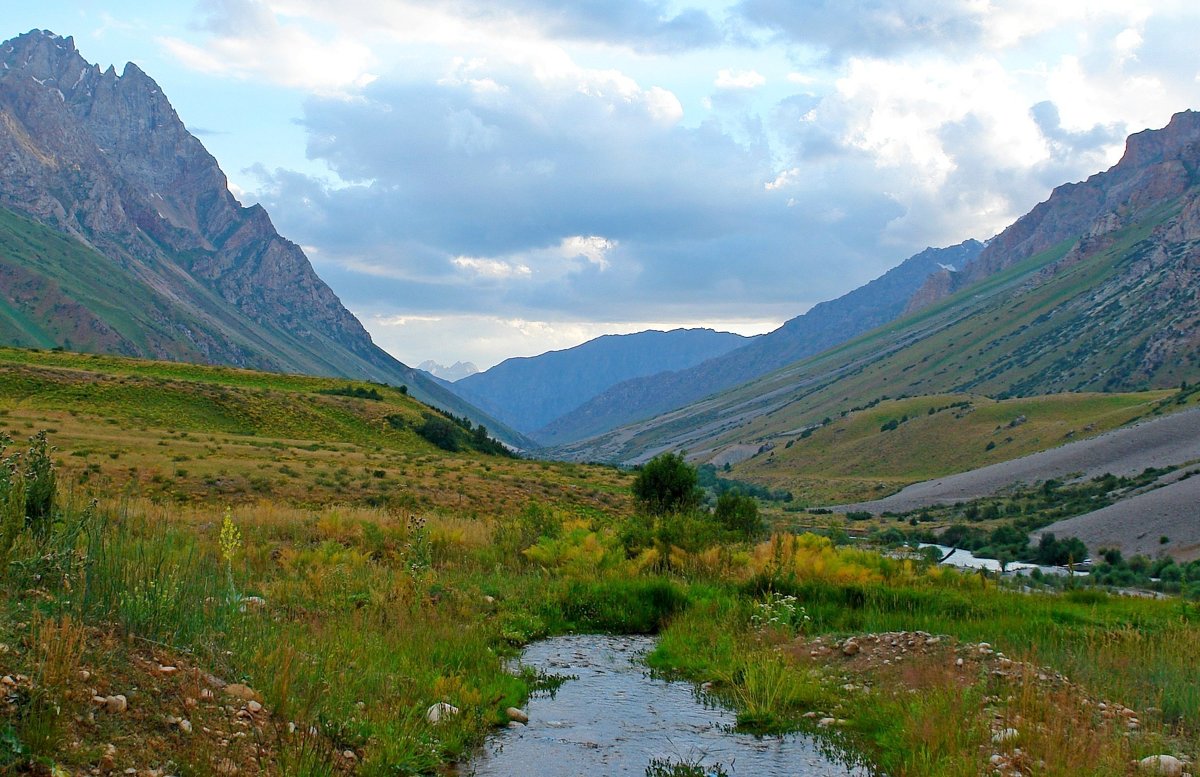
(441, 432)
(738, 514)
(667, 484)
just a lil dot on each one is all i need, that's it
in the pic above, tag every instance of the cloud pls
(739, 79)
(844, 28)
(246, 39)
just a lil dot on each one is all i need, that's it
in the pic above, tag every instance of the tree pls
(738, 514)
(667, 484)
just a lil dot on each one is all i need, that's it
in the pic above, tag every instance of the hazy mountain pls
(454, 372)
(129, 240)
(825, 325)
(529, 392)
(1090, 293)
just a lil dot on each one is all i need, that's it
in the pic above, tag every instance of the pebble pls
(516, 714)
(850, 648)
(115, 704)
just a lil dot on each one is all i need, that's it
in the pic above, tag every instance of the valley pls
(238, 536)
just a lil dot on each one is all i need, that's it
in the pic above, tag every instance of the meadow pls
(305, 624)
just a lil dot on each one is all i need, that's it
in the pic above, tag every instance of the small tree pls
(738, 514)
(667, 484)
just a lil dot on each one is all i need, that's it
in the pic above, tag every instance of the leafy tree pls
(738, 514)
(667, 484)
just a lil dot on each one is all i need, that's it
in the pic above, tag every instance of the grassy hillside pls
(880, 449)
(187, 432)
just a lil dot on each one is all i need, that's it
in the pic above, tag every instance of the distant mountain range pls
(1094, 290)
(454, 372)
(118, 233)
(825, 325)
(528, 393)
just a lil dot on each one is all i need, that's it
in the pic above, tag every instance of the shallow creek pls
(615, 718)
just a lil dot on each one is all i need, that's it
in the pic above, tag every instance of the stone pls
(517, 715)
(1005, 735)
(826, 722)
(167, 670)
(185, 726)
(850, 648)
(253, 707)
(116, 704)
(440, 711)
(1167, 765)
(243, 692)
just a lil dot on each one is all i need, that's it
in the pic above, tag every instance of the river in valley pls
(614, 718)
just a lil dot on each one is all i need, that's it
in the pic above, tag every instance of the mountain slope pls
(1112, 308)
(528, 393)
(825, 325)
(190, 273)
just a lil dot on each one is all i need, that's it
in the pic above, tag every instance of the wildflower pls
(231, 537)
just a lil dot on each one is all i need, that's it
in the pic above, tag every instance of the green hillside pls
(190, 433)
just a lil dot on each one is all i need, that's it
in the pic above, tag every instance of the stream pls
(615, 718)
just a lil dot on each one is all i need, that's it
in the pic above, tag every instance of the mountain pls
(118, 233)
(529, 392)
(1094, 290)
(454, 372)
(825, 325)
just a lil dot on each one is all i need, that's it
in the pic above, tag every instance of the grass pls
(351, 601)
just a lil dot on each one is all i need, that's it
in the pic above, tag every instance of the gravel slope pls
(1136, 525)
(1169, 440)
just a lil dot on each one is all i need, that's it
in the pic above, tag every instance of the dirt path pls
(1166, 441)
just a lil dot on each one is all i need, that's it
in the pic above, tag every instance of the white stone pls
(440, 711)
(1162, 764)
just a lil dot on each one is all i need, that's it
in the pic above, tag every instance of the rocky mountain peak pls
(1158, 165)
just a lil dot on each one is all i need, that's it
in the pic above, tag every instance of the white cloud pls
(246, 39)
(491, 268)
(739, 79)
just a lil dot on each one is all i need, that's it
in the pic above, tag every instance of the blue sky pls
(480, 179)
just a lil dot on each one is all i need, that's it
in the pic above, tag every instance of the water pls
(615, 718)
(965, 559)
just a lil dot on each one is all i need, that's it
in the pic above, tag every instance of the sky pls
(480, 179)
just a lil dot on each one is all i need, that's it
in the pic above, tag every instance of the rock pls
(958, 662)
(349, 755)
(826, 722)
(185, 726)
(253, 707)
(1167, 765)
(243, 692)
(517, 715)
(515, 724)
(116, 704)
(252, 603)
(167, 670)
(440, 711)
(1005, 735)
(489, 600)
(850, 648)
